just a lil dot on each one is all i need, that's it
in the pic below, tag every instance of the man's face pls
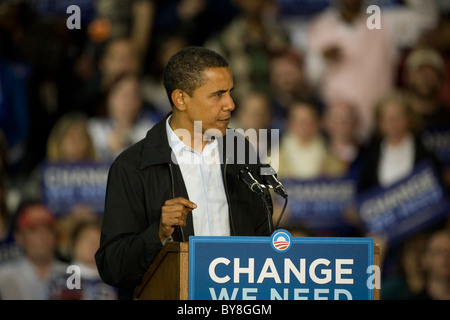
(38, 243)
(425, 82)
(437, 257)
(212, 103)
(394, 122)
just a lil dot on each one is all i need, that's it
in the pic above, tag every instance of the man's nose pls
(229, 104)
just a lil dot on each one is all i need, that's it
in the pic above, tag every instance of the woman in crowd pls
(398, 148)
(85, 241)
(70, 141)
(125, 122)
(303, 152)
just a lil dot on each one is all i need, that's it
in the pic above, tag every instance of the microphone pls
(245, 175)
(270, 179)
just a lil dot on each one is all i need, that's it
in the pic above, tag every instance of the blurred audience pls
(70, 140)
(67, 222)
(153, 90)
(4, 214)
(71, 96)
(438, 38)
(408, 278)
(133, 19)
(303, 152)
(247, 42)
(14, 79)
(398, 148)
(8, 247)
(117, 58)
(37, 275)
(424, 75)
(424, 78)
(85, 241)
(340, 124)
(346, 58)
(254, 112)
(126, 121)
(288, 83)
(435, 262)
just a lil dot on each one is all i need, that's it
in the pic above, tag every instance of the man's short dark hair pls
(184, 70)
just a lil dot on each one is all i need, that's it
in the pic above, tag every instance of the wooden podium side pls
(377, 262)
(167, 277)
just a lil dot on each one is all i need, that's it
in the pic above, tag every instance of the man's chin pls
(215, 132)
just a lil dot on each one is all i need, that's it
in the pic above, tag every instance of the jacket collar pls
(156, 146)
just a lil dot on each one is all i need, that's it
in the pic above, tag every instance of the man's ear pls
(178, 98)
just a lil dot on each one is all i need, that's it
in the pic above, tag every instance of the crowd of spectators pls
(344, 96)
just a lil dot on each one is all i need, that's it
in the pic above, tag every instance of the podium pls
(167, 278)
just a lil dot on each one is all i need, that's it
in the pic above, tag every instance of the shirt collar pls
(174, 142)
(177, 145)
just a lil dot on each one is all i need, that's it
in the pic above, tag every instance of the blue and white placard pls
(280, 267)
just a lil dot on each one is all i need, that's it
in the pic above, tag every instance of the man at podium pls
(182, 178)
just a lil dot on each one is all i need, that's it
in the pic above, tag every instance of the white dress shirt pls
(204, 184)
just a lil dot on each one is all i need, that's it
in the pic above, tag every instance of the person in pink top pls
(349, 59)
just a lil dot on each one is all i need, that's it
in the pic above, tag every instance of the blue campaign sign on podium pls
(280, 267)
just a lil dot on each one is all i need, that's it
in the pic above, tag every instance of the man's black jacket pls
(140, 180)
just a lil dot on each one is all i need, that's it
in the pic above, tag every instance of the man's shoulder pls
(131, 156)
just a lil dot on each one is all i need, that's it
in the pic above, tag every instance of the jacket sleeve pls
(129, 243)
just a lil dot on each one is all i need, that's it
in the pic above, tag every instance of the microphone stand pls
(272, 182)
(282, 212)
(267, 200)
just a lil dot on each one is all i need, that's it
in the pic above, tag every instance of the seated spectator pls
(85, 242)
(288, 83)
(438, 39)
(67, 223)
(424, 78)
(70, 140)
(117, 58)
(408, 279)
(254, 113)
(125, 122)
(436, 265)
(303, 152)
(37, 275)
(340, 123)
(397, 149)
(153, 90)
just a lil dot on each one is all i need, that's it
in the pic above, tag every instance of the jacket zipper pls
(173, 197)
(228, 197)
